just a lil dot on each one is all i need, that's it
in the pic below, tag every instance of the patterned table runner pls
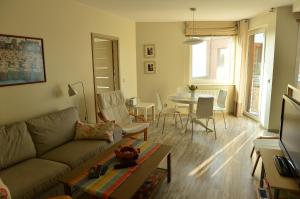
(105, 185)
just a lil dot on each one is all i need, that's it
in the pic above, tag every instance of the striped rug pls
(105, 185)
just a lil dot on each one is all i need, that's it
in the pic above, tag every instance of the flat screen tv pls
(290, 133)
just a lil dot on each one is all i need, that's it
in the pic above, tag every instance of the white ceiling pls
(178, 10)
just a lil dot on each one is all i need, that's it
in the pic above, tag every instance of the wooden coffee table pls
(129, 187)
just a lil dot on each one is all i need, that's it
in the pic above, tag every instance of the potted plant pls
(192, 88)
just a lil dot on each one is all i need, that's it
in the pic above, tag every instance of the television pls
(290, 133)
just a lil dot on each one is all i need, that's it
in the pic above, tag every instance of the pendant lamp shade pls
(192, 40)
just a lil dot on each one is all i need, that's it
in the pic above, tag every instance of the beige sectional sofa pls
(35, 153)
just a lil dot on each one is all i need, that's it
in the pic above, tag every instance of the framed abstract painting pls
(21, 60)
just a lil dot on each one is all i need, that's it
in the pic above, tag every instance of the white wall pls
(284, 61)
(172, 60)
(66, 28)
(267, 23)
(280, 61)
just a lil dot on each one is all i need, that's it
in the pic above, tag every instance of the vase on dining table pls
(192, 89)
(192, 94)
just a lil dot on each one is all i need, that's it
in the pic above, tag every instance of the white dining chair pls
(182, 92)
(164, 110)
(221, 104)
(204, 111)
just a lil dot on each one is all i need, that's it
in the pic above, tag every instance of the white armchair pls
(112, 108)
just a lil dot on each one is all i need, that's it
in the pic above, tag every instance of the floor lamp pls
(73, 92)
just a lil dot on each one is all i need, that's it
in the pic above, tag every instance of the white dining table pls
(187, 99)
(191, 101)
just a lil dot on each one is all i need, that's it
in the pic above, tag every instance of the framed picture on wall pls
(149, 50)
(150, 67)
(21, 60)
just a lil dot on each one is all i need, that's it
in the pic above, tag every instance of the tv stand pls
(283, 166)
(274, 179)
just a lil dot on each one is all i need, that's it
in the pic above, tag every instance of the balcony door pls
(256, 46)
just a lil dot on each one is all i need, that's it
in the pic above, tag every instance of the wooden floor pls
(207, 168)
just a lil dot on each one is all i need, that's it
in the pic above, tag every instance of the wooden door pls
(106, 75)
(105, 65)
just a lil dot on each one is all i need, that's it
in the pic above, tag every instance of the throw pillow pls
(98, 131)
(4, 191)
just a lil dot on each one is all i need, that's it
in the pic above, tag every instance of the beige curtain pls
(211, 28)
(241, 67)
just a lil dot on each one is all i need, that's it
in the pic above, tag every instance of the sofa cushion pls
(76, 152)
(53, 130)
(32, 177)
(16, 144)
(97, 131)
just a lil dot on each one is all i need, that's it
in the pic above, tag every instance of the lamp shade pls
(72, 91)
(193, 41)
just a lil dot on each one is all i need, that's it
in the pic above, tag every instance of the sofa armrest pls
(137, 118)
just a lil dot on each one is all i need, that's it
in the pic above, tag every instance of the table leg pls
(169, 167)
(204, 126)
(276, 193)
(153, 113)
(145, 114)
(191, 108)
(67, 189)
(187, 121)
(262, 175)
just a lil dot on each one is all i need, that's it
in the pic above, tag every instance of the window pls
(213, 60)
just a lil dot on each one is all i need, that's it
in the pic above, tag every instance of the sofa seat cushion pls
(32, 177)
(76, 152)
(53, 130)
(16, 144)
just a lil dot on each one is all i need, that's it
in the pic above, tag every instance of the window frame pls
(204, 80)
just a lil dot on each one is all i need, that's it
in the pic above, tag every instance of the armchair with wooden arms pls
(112, 108)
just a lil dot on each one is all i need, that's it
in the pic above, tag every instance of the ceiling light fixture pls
(192, 40)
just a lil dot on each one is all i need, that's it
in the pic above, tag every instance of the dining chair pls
(263, 142)
(163, 110)
(182, 92)
(205, 111)
(221, 104)
(112, 108)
